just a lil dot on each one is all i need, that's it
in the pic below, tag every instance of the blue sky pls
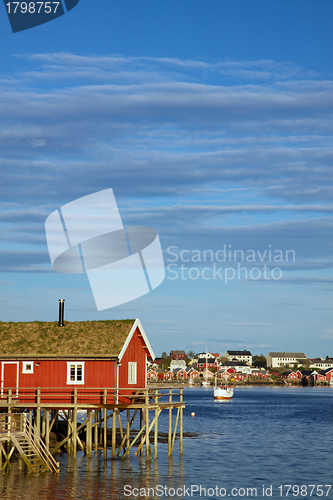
(212, 122)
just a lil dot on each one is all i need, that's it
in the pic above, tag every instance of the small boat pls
(205, 383)
(191, 381)
(222, 391)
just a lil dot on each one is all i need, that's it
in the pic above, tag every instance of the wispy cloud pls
(208, 152)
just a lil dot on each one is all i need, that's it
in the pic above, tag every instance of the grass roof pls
(90, 338)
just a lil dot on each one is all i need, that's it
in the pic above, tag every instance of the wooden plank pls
(122, 445)
(114, 430)
(89, 434)
(138, 451)
(174, 432)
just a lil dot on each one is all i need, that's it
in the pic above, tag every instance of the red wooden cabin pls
(85, 362)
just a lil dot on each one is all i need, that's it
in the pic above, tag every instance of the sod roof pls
(77, 338)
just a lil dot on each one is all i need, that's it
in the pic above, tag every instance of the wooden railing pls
(81, 396)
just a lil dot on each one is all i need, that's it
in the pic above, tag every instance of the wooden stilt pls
(150, 428)
(156, 426)
(170, 424)
(175, 430)
(69, 431)
(75, 436)
(30, 420)
(181, 424)
(74, 424)
(37, 428)
(47, 429)
(141, 425)
(100, 434)
(114, 435)
(43, 422)
(89, 434)
(147, 435)
(105, 437)
(96, 432)
(122, 445)
(128, 427)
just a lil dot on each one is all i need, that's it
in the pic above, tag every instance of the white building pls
(177, 363)
(322, 364)
(245, 356)
(278, 359)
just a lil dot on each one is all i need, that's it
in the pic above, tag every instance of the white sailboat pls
(222, 391)
(206, 383)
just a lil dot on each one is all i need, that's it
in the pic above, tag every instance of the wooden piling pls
(105, 437)
(181, 424)
(128, 426)
(114, 433)
(74, 424)
(170, 424)
(156, 426)
(96, 432)
(89, 433)
(141, 425)
(47, 429)
(69, 431)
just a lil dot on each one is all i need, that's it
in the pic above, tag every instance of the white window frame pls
(24, 366)
(76, 364)
(132, 372)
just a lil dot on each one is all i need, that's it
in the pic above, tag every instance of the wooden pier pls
(29, 415)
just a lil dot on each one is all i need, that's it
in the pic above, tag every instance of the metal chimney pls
(61, 312)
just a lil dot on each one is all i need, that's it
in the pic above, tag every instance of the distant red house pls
(240, 376)
(152, 375)
(80, 355)
(177, 354)
(289, 375)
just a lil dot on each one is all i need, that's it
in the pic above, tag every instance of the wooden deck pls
(48, 406)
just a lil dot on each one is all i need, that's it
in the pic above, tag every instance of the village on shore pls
(240, 367)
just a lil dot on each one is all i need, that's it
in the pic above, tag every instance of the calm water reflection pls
(264, 436)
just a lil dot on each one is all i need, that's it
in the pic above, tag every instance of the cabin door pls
(9, 377)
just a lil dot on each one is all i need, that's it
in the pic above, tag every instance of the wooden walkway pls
(50, 408)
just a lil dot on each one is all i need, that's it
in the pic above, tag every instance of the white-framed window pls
(27, 366)
(132, 370)
(75, 372)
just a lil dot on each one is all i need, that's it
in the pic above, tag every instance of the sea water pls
(267, 442)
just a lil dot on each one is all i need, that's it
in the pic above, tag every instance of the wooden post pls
(156, 425)
(100, 434)
(105, 440)
(147, 427)
(37, 428)
(89, 433)
(96, 433)
(30, 420)
(181, 424)
(114, 431)
(43, 422)
(69, 431)
(141, 425)
(170, 424)
(74, 424)
(128, 427)
(47, 428)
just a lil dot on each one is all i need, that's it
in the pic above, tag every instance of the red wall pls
(136, 351)
(53, 373)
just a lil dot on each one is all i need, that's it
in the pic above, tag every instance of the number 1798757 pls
(32, 7)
